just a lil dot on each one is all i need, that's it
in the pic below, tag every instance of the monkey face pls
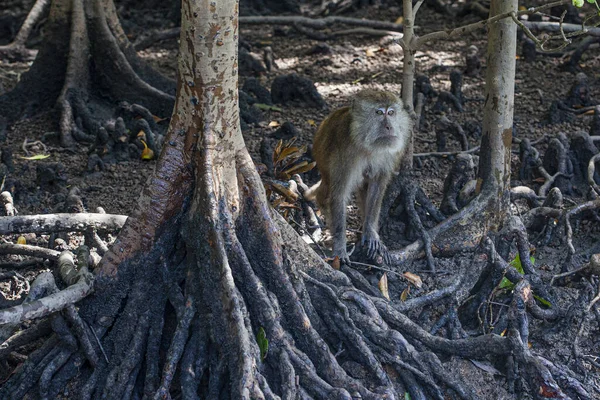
(379, 121)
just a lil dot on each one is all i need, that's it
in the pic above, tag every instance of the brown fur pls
(355, 147)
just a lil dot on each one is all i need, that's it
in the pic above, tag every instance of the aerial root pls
(118, 377)
(339, 321)
(29, 372)
(193, 360)
(157, 319)
(176, 349)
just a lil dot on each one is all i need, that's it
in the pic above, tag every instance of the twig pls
(377, 267)
(416, 8)
(446, 153)
(455, 32)
(28, 250)
(555, 27)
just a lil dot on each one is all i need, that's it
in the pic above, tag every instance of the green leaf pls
(263, 343)
(406, 396)
(517, 264)
(543, 301)
(578, 3)
(591, 1)
(37, 157)
(267, 107)
(506, 284)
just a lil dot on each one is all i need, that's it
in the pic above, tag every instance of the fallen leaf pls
(147, 153)
(336, 264)
(414, 279)
(37, 157)
(21, 240)
(383, 286)
(405, 293)
(312, 122)
(487, 367)
(274, 124)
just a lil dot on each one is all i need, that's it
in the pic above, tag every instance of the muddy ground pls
(354, 63)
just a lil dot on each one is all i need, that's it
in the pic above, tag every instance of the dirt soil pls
(355, 63)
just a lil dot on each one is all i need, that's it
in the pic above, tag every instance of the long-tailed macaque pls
(357, 148)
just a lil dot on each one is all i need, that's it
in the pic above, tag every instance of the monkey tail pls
(311, 193)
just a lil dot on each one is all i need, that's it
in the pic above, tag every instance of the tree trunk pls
(86, 67)
(494, 159)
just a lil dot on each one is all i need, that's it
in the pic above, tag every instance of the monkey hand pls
(373, 245)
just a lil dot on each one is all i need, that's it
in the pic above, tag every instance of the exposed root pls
(81, 286)
(588, 206)
(85, 71)
(45, 223)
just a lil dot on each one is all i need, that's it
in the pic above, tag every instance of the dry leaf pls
(405, 293)
(312, 122)
(487, 367)
(383, 286)
(304, 166)
(414, 279)
(147, 153)
(157, 119)
(336, 263)
(21, 240)
(277, 148)
(370, 53)
(400, 20)
(286, 152)
(274, 124)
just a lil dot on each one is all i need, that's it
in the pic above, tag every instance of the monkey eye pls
(379, 112)
(391, 112)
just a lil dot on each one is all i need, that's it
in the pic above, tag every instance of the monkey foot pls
(342, 255)
(374, 246)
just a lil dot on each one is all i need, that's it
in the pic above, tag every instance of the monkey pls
(357, 149)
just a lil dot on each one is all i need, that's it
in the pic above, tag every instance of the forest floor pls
(355, 63)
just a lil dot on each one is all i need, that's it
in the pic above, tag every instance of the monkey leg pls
(337, 226)
(371, 197)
